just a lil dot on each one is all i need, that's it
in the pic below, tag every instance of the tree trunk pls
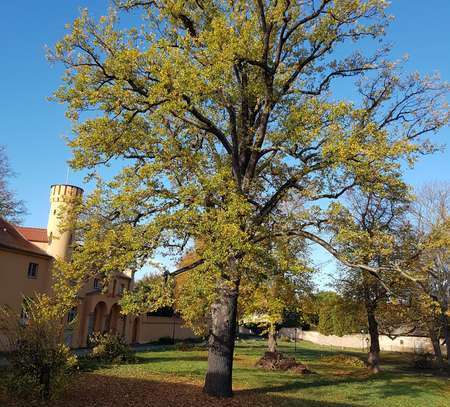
(371, 296)
(272, 339)
(373, 359)
(218, 381)
(446, 333)
(436, 346)
(44, 381)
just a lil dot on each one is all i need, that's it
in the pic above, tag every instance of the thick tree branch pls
(186, 268)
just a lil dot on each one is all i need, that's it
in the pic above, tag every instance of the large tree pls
(11, 208)
(218, 114)
(366, 231)
(404, 245)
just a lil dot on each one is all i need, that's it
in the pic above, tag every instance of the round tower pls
(62, 199)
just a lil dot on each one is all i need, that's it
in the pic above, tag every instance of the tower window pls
(33, 270)
(50, 238)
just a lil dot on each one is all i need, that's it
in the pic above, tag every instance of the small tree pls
(281, 285)
(40, 361)
(267, 304)
(11, 208)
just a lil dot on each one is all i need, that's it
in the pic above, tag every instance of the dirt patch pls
(278, 361)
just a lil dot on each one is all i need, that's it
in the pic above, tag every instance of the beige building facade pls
(26, 266)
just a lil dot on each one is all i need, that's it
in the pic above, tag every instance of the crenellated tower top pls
(62, 198)
(65, 193)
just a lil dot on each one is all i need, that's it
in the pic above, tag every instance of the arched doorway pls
(114, 317)
(100, 315)
(135, 336)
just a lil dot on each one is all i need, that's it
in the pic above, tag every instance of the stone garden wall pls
(410, 344)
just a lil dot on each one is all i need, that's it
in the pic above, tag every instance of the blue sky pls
(32, 128)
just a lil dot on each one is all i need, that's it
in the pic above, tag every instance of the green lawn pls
(174, 378)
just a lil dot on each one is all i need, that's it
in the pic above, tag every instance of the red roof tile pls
(33, 234)
(10, 238)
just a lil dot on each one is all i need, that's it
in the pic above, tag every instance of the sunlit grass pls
(331, 385)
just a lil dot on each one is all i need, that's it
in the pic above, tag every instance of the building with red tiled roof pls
(13, 238)
(25, 269)
(33, 234)
(27, 257)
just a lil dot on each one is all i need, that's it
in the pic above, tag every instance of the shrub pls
(110, 348)
(165, 340)
(424, 361)
(40, 363)
(40, 373)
